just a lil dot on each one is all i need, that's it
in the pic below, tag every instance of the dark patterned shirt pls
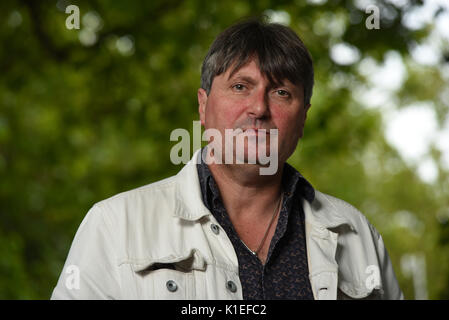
(285, 274)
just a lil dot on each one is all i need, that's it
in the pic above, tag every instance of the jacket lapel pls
(323, 268)
(189, 203)
(322, 246)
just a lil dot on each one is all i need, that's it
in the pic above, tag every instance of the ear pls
(304, 117)
(306, 108)
(202, 102)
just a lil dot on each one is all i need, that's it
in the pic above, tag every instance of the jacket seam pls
(150, 188)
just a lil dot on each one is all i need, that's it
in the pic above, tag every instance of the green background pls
(86, 114)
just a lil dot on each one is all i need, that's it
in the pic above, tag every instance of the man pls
(224, 230)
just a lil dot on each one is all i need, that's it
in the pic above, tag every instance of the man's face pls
(247, 100)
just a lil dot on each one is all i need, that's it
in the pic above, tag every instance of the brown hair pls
(279, 51)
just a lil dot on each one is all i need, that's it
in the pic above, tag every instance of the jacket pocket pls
(169, 277)
(351, 289)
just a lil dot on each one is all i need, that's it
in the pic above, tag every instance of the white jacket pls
(160, 242)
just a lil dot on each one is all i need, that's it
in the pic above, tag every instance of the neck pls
(245, 193)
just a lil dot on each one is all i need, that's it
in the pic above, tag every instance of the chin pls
(250, 154)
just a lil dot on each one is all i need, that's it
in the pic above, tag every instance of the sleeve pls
(90, 270)
(390, 285)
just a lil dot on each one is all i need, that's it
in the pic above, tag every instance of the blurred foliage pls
(85, 114)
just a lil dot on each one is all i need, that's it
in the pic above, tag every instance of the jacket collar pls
(189, 203)
(324, 214)
(190, 206)
(323, 222)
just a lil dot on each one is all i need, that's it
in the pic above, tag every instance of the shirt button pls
(171, 286)
(215, 228)
(230, 285)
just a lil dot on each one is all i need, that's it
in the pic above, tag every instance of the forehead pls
(252, 71)
(251, 68)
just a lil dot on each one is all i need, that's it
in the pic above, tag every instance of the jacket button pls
(215, 228)
(171, 286)
(230, 285)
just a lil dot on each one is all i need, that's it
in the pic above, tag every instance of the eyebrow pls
(243, 78)
(251, 81)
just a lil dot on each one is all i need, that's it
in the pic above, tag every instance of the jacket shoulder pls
(347, 212)
(145, 193)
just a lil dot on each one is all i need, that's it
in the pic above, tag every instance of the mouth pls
(257, 131)
(254, 132)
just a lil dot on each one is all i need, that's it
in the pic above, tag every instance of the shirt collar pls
(292, 181)
(189, 204)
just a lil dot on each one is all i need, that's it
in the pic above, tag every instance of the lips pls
(257, 130)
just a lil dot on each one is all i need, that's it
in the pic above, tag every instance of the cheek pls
(287, 121)
(221, 112)
(289, 126)
(214, 113)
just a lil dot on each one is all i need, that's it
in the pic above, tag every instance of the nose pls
(258, 106)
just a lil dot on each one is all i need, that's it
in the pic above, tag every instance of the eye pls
(238, 87)
(282, 93)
